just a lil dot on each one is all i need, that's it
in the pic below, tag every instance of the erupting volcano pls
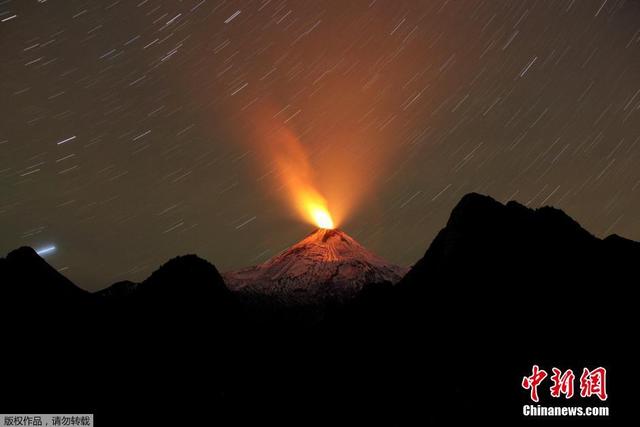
(327, 265)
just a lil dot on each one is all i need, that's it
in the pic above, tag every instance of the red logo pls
(534, 381)
(592, 383)
(562, 383)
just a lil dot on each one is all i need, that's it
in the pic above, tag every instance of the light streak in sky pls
(46, 250)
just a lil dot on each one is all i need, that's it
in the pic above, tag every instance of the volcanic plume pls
(323, 180)
(326, 265)
(297, 176)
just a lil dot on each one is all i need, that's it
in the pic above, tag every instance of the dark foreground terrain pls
(502, 287)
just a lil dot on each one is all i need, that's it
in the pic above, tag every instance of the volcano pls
(326, 265)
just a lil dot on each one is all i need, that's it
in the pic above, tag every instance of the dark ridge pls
(29, 279)
(182, 275)
(192, 264)
(120, 289)
(482, 231)
(23, 252)
(186, 288)
(500, 288)
(185, 274)
(472, 209)
(505, 286)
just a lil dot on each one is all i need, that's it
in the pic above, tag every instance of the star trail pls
(133, 131)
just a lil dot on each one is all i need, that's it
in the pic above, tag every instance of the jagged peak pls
(23, 252)
(473, 207)
(476, 210)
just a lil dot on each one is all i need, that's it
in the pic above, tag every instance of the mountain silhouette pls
(491, 252)
(187, 281)
(484, 234)
(500, 288)
(516, 286)
(27, 278)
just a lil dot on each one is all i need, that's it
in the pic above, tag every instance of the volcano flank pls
(327, 264)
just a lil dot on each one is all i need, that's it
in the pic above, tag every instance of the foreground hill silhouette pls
(504, 287)
(500, 288)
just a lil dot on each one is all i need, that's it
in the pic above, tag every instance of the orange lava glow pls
(322, 176)
(321, 216)
(298, 177)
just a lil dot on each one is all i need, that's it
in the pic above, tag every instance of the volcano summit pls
(326, 265)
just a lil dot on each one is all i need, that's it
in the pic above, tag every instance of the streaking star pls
(46, 250)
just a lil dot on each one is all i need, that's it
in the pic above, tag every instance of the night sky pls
(135, 131)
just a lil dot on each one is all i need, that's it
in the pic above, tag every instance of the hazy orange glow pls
(297, 175)
(322, 176)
